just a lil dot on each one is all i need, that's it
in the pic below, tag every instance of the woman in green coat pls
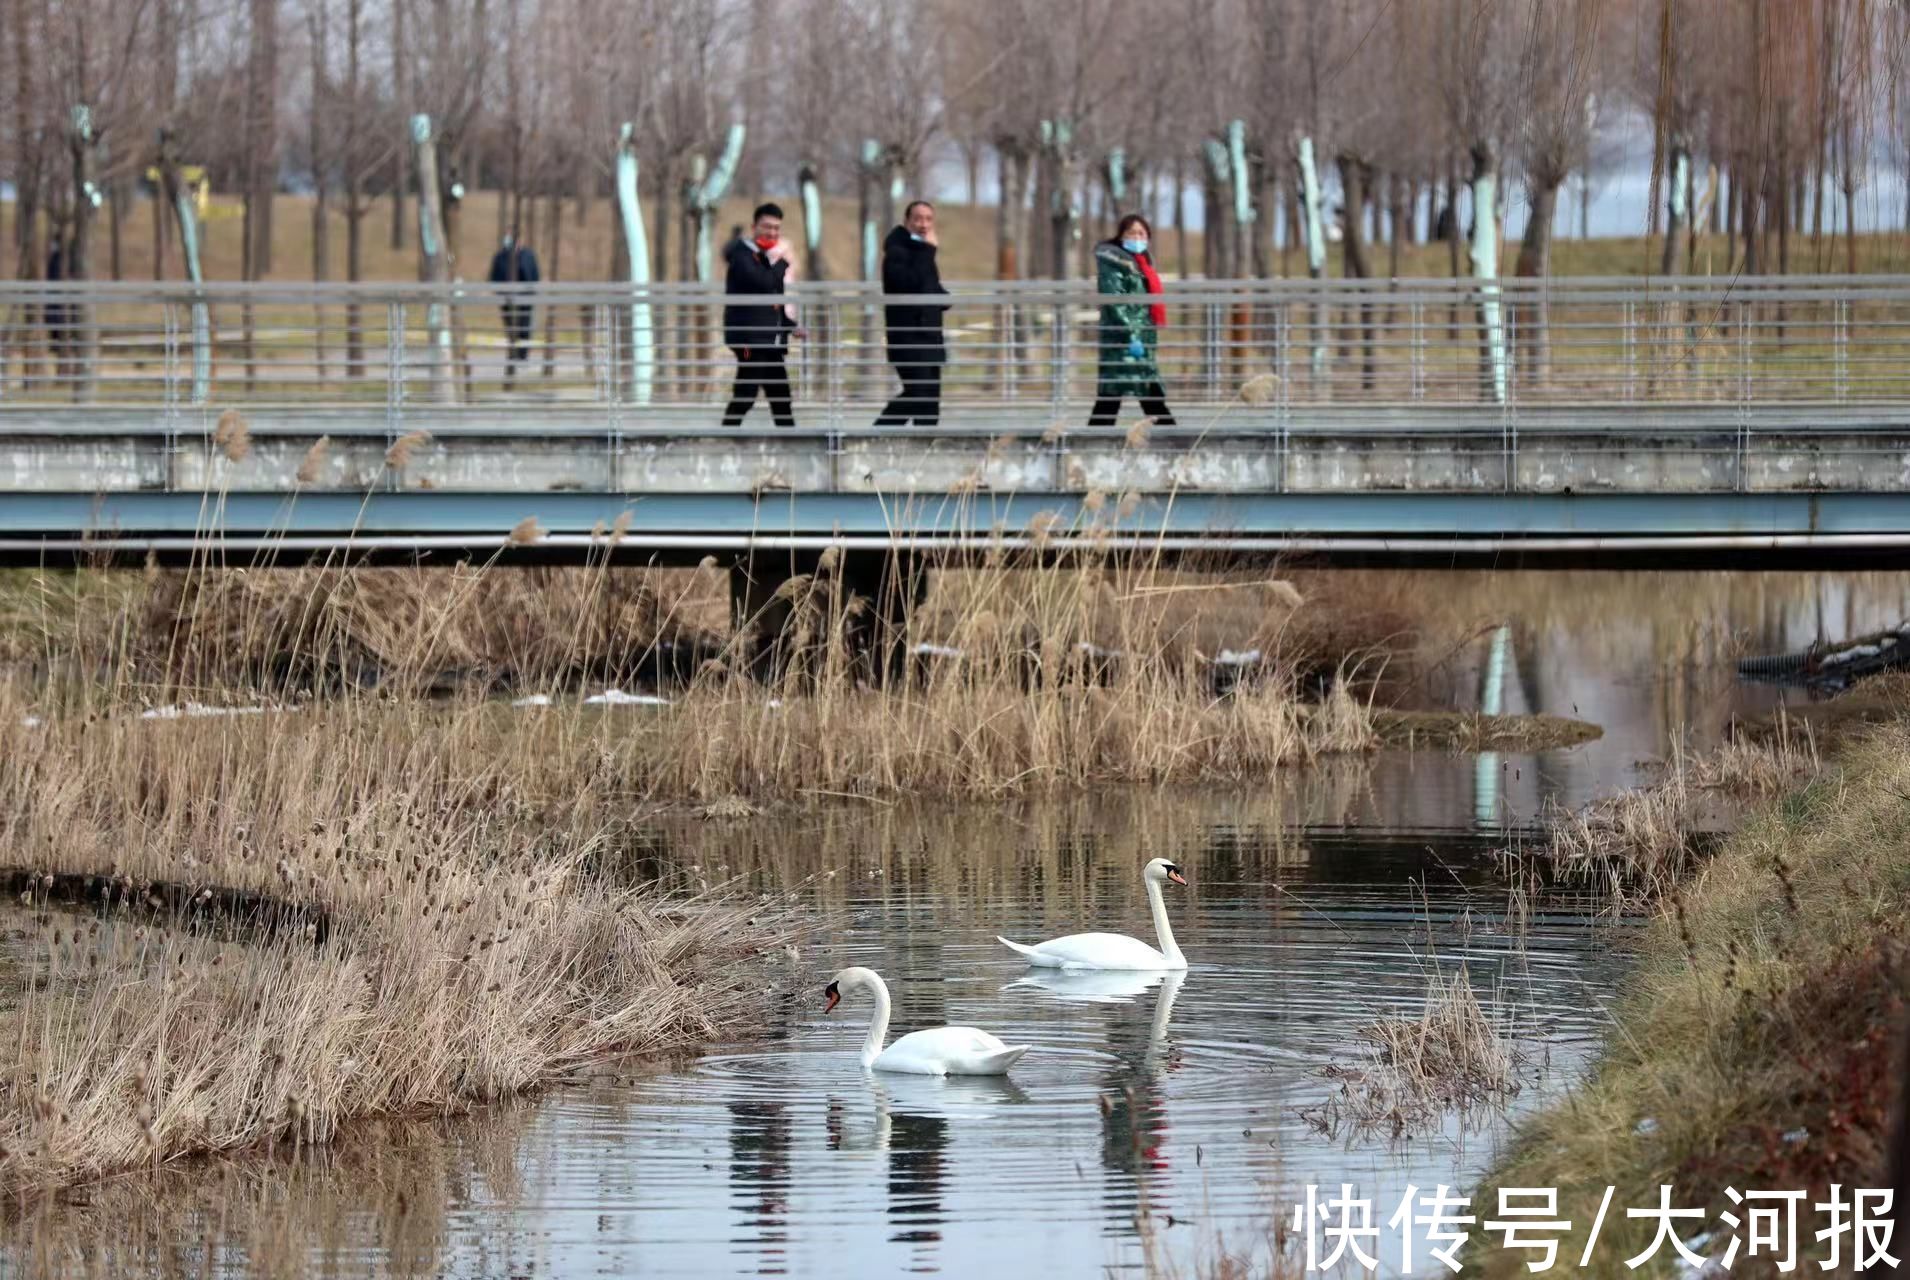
(1129, 330)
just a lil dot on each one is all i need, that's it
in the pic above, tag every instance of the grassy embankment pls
(1757, 1046)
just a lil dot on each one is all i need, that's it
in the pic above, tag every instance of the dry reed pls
(232, 436)
(473, 953)
(311, 466)
(1452, 1057)
(1101, 669)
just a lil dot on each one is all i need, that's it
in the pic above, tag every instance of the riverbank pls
(403, 933)
(1757, 1044)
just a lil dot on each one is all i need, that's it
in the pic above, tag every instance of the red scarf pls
(1157, 312)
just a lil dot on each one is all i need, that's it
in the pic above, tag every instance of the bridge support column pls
(785, 604)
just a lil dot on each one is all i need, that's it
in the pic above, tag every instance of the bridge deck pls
(1783, 429)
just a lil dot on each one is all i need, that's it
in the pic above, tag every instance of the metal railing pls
(1252, 353)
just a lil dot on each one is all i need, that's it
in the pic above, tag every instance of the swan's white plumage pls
(1115, 950)
(1094, 951)
(946, 1051)
(938, 1051)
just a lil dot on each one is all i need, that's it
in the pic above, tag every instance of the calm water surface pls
(1316, 905)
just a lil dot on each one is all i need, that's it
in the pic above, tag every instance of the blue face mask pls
(1134, 246)
(914, 237)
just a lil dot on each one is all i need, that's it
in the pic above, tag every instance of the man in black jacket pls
(914, 330)
(758, 332)
(514, 263)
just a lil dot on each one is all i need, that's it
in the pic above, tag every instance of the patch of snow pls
(196, 709)
(1229, 658)
(937, 651)
(618, 698)
(31, 722)
(532, 700)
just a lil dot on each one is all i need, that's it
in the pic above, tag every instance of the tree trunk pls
(261, 116)
(1357, 262)
(1013, 160)
(31, 261)
(355, 203)
(1180, 216)
(115, 209)
(434, 265)
(355, 212)
(1401, 193)
(1673, 201)
(1452, 239)
(1849, 176)
(1040, 242)
(401, 159)
(1532, 324)
(316, 133)
(166, 57)
(554, 219)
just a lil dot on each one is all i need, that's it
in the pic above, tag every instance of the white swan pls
(1115, 950)
(939, 1051)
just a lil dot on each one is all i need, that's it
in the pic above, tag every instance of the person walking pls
(914, 330)
(759, 332)
(514, 263)
(1129, 330)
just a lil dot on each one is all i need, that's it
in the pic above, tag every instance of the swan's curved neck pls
(879, 1024)
(1162, 929)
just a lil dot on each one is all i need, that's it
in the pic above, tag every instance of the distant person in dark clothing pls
(514, 263)
(759, 332)
(59, 315)
(914, 330)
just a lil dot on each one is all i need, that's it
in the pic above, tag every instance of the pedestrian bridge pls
(1682, 420)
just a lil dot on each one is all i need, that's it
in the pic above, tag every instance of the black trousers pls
(517, 330)
(1153, 403)
(760, 369)
(921, 398)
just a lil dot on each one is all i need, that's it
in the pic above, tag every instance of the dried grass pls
(1641, 843)
(312, 465)
(1450, 1058)
(398, 456)
(1100, 669)
(1756, 1038)
(471, 955)
(231, 436)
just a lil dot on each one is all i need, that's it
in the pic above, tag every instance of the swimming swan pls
(1115, 950)
(939, 1051)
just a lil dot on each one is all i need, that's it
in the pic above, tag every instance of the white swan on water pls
(939, 1051)
(1116, 950)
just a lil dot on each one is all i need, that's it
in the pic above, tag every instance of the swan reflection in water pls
(910, 1124)
(1134, 1105)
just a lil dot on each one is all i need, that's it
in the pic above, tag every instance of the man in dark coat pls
(514, 263)
(759, 332)
(914, 330)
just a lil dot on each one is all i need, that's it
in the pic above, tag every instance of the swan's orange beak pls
(1173, 873)
(835, 998)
